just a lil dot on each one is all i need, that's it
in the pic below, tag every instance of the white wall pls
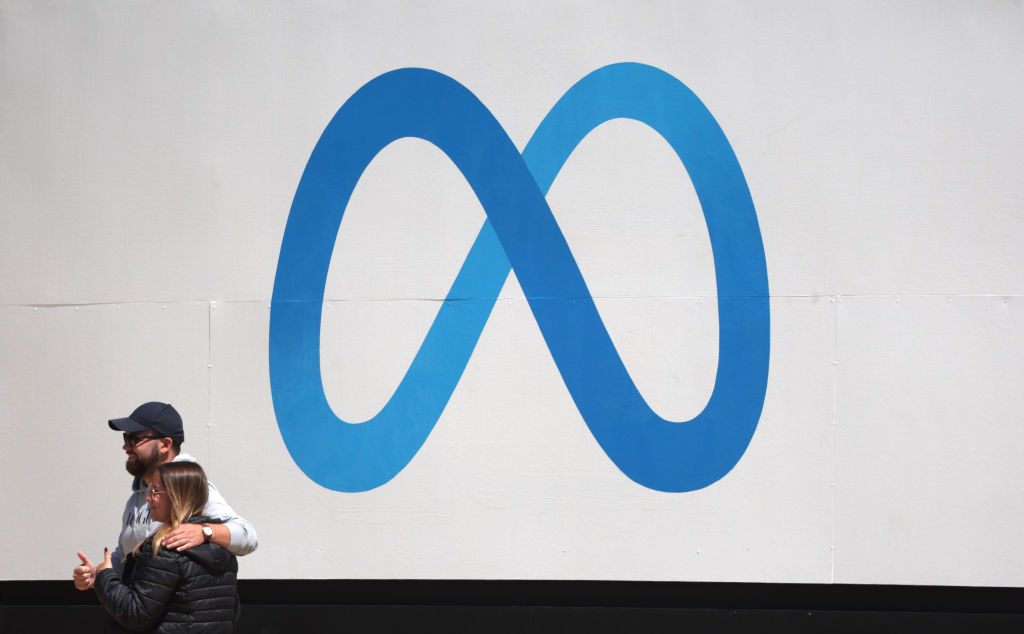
(149, 153)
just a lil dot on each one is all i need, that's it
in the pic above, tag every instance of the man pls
(153, 435)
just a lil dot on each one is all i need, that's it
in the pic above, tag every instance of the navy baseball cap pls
(159, 417)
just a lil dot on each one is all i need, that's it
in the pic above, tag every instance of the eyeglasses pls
(133, 441)
(152, 491)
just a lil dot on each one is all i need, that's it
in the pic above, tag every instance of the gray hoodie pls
(136, 525)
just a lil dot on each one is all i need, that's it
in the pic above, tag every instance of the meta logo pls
(520, 234)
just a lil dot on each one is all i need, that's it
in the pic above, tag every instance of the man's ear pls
(166, 446)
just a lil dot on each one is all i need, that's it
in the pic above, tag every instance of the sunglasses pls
(133, 441)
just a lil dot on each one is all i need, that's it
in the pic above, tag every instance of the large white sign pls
(153, 163)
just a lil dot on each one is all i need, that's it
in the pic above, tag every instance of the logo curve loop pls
(520, 233)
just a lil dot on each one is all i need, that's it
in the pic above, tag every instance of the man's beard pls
(142, 463)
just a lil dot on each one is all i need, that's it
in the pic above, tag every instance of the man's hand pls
(190, 535)
(85, 575)
(184, 537)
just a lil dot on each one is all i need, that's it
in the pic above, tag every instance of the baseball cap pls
(159, 417)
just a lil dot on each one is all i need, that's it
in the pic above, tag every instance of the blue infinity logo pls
(520, 233)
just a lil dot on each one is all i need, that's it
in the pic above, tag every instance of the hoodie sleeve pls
(142, 604)
(243, 535)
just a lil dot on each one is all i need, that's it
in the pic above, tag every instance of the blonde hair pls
(187, 491)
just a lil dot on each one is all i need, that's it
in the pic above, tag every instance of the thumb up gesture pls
(85, 574)
(106, 561)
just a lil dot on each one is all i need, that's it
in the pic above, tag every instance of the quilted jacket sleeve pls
(140, 604)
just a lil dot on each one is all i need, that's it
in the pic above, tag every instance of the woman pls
(165, 590)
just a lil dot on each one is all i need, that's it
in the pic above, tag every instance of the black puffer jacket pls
(193, 591)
